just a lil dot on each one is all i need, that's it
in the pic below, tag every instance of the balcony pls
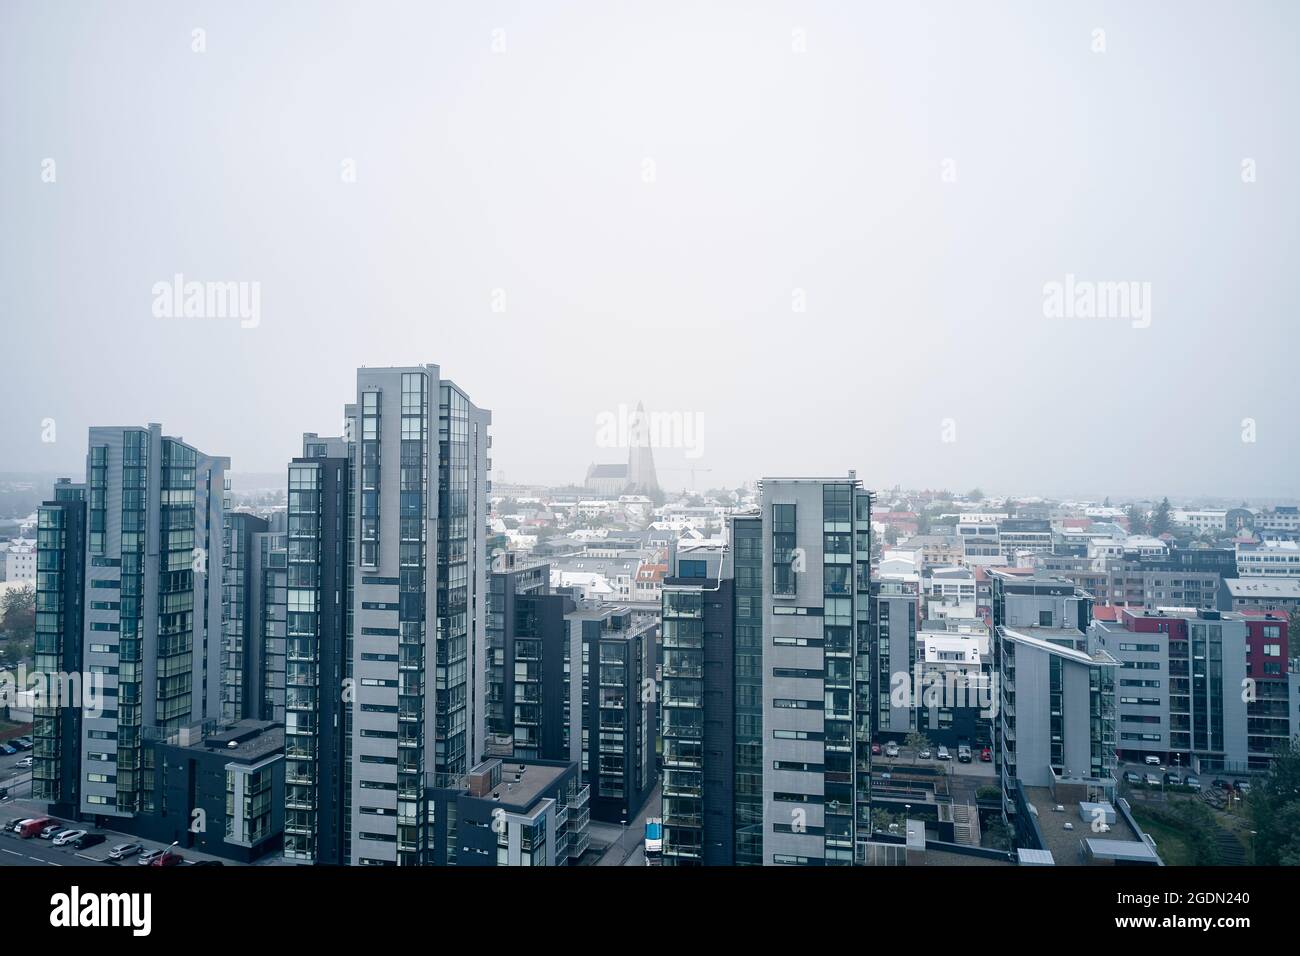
(578, 843)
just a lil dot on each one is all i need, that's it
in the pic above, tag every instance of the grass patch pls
(1172, 845)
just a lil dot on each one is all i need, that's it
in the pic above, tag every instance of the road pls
(17, 779)
(628, 848)
(15, 851)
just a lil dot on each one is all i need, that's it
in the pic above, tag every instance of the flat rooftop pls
(246, 741)
(522, 793)
(1066, 846)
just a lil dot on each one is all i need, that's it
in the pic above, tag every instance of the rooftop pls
(1067, 846)
(522, 781)
(1263, 587)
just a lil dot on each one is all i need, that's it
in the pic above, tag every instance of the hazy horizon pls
(825, 235)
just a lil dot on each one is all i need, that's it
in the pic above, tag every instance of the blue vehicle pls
(654, 841)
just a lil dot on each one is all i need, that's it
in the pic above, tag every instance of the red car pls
(169, 859)
(986, 755)
(875, 750)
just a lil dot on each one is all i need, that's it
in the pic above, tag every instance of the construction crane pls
(693, 469)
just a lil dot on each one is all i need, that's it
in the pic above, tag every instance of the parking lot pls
(976, 768)
(16, 850)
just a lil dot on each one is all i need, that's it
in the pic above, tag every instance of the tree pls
(998, 836)
(1160, 523)
(18, 613)
(1274, 808)
(891, 535)
(975, 494)
(881, 820)
(917, 741)
(1137, 520)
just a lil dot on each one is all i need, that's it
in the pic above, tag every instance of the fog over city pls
(1032, 249)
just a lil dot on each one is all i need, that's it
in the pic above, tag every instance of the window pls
(692, 569)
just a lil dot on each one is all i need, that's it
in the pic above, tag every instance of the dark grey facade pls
(218, 789)
(509, 812)
(60, 586)
(619, 717)
(698, 716)
(241, 618)
(316, 661)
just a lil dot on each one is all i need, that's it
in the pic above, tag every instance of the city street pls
(627, 845)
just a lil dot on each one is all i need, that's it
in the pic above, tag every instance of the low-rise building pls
(509, 812)
(217, 788)
(1259, 594)
(1272, 557)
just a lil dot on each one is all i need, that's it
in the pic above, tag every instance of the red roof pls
(1105, 612)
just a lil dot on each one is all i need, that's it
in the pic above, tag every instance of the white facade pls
(20, 560)
(1270, 559)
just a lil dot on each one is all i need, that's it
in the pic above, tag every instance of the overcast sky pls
(575, 206)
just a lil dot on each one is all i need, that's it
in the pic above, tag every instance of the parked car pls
(891, 749)
(1152, 760)
(1193, 782)
(7, 750)
(1221, 784)
(168, 858)
(1132, 777)
(1153, 780)
(87, 840)
(4, 792)
(11, 825)
(22, 743)
(51, 831)
(207, 863)
(963, 753)
(148, 856)
(1241, 786)
(986, 755)
(67, 836)
(924, 754)
(25, 762)
(875, 750)
(1173, 780)
(123, 850)
(943, 754)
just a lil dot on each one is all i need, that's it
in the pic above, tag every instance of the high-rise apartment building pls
(152, 629)
(698, 708)
(895, 619)
(60, 606)
(767, 683)
(510, 579)
(1056, 714)
(816, 669)
(316, 662)
(419, 645)
(241, 616)
(619, 710)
